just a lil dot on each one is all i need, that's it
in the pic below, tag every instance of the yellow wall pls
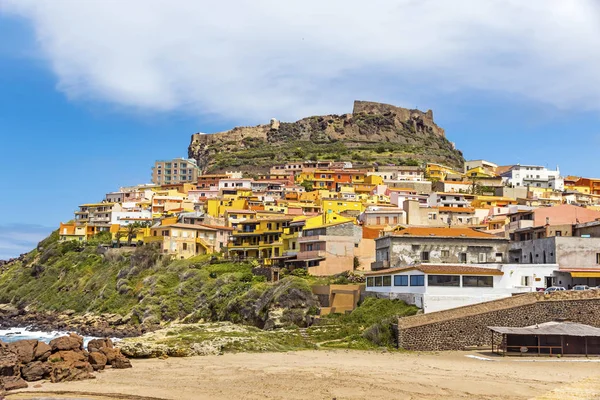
(337, 206)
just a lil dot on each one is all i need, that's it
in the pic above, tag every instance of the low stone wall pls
(463, 327)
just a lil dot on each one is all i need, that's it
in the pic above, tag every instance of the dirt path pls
(341, 375)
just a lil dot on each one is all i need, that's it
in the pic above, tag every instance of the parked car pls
(553, 289)
(581, 287)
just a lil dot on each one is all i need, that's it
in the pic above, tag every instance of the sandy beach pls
(340, 375)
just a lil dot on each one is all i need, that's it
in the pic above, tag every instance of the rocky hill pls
(374, 132)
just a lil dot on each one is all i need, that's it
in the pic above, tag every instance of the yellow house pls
(72, 231)
(305, 176)
(373, 180)
(479, 172)
(259, 239)
(338, 206)
(439, 172)
(216, 207)
(492, 201)
(123, 233)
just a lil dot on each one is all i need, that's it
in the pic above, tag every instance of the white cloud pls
(258, 59)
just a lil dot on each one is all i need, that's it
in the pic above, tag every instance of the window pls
(184, 246)
(463, 257)
(445, 253)
(425, 256)
(370, 282)
(443, 280)
(597, 258)
(387, 280)
(401, 280)
(499, 257)
(482, 257)
(417, 280)
(558, 233)
(478, 281)
(525, 280)
(378, 281)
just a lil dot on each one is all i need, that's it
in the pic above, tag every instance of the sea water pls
(15, 334)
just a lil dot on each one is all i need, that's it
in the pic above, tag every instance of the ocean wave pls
(15, 334)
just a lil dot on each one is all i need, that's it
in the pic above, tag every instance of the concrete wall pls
(419, 187)
(567, 252)
(405, 250)
(461, 327)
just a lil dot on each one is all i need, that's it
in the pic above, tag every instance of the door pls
(549, 281)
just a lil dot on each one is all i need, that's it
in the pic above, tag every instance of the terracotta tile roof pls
(371, 232)
(443, 269)
(443, 232)
(466, 210)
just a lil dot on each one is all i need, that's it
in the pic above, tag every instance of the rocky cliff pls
(374, 132)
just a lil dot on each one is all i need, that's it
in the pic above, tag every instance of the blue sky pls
(91, 95)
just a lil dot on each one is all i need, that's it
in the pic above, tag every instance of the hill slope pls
(374, 132)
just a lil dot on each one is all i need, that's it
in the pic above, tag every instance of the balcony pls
(309, 239)
(243, 245)
(380, 265)
(524, 223)
(310, 255)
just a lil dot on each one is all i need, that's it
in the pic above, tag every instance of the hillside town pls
(433, 236)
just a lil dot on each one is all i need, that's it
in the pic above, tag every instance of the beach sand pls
(341, 375)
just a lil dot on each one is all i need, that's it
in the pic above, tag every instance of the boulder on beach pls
(12, 383)
(35, 371)
(25, 350)
(64, 359)
(42, 351)
(97, 360)
(71, 342)
(97, 344)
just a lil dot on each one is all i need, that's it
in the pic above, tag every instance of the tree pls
(118, 237)
(307, 185)
(132, 231)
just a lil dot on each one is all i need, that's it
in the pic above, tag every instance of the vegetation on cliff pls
(147, 288)
(376, 133)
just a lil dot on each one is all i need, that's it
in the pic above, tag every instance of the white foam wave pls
(14, 334)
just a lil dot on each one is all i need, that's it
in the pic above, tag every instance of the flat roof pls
(444, 269)
(445, 232)
(550, 328)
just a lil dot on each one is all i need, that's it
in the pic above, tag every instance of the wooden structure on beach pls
(550, 338)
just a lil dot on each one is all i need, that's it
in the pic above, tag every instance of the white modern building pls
(436, 287)
(534, 176)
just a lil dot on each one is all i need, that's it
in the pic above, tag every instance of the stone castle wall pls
(463, 327)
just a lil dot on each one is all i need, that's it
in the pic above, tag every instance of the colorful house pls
(187, 240)
(72, 231)
(259, 239)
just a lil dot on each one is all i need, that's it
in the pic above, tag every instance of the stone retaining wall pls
(462, 327)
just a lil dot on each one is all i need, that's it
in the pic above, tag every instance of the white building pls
(399, 173)
(235, 183)
(449, 200)
(436, 287)
(534, 176)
